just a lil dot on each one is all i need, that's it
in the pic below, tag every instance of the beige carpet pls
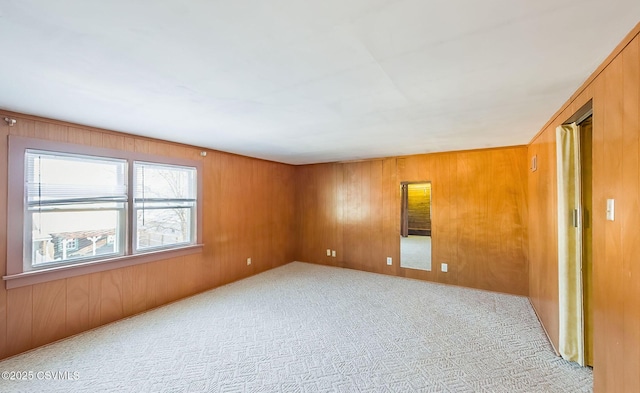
(415, 252)
(308, 328)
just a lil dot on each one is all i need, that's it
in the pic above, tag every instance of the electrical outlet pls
(248, 261)
(389, 261)
(328, 252)
(444, 267)
(333, 253)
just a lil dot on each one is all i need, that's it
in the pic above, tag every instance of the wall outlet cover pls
(389, 261)
(444, 267)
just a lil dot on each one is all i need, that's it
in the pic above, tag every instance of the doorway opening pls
(415, 228)
(575, 279)
(586, 186)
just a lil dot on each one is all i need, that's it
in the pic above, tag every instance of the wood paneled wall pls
(479, 216)
(249, 211)
(615, 91)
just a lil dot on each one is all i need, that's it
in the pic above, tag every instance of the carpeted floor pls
(415, 252)
(309, 328)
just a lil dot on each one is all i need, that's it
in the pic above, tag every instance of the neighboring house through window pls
(85, 206)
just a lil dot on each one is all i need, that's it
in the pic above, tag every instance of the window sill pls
(60, 272)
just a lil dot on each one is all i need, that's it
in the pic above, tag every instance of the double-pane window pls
(74, 204)
(164, 205)
(77, 208)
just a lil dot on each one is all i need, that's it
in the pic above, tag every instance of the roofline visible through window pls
(16, 276)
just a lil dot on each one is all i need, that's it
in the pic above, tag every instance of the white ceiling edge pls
(307, 82)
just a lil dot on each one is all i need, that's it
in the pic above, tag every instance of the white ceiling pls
(301, 81)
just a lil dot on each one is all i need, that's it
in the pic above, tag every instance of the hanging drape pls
(404, 214)
(571, 322)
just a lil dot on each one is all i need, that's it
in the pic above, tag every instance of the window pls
(164, 205)
(72, 199)
(70, 244)
(86, 209)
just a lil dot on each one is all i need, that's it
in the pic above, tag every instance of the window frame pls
(17, 276)
(72, 207)
(135, 249)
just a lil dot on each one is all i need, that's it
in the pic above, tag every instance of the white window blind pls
(74, 203)
(54, 178)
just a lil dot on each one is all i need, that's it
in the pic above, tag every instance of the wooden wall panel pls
(472, 221)
(599, 222)
(280, 217)
(610, 280)
(444, 250)
(212, 236)
(484, 249)
(316, 185)
(19, 320)
(249, 211)
(377, 254)
(134, 289)
(506, 234)
(390, 240)
(543, 242)
(615, 92)
(341, 204)
(49, 312)
(95, 299)
(111, 304)
(353, 175)
(235, 197)
(77, 310)
(4, 132)
(630, 195)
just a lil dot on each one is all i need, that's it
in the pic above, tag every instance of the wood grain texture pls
(631, 218)
(615, 91)
(444, 250)
(543, 229)
(77, 311)
(390, 242)
(598, 251)
(609, 280)
(111, 296)
(4, 132)
(95, 299)
(631, 235)
(317, 185)
(249, 211)
(484, 249)
(19, 320)
(49, 312)
(472, 201)
(351, 207)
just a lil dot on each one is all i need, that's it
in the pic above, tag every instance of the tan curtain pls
(570, 244)
(404, 214)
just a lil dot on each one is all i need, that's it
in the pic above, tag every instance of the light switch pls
(611, 207)
(389, 261)
(534, 163)
(333, 253)
(444, 267)
(328, 252)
